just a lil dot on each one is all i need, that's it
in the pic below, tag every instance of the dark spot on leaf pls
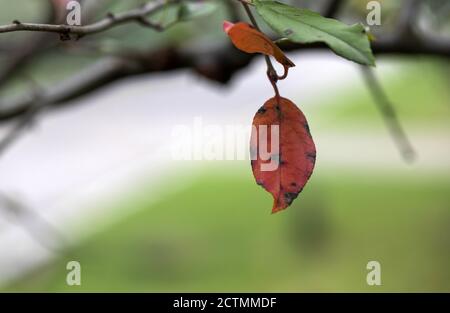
(308, 131)
(262, 110)
(311, 156)
(290, 196)
(293, 184)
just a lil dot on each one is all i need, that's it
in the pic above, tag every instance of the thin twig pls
(112, 20)
(389, 114)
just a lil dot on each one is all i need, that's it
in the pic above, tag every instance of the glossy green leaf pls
(305, 26)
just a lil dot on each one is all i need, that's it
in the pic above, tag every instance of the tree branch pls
(136, 15)
(218, 63)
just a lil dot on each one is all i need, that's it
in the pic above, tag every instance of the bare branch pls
(112, 20)
(217, 63)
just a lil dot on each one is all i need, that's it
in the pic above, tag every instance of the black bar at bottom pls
(223, 302)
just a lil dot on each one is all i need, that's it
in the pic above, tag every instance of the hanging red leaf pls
(250, 40)
(282, 149)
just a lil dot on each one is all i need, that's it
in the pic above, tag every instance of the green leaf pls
(305, 26)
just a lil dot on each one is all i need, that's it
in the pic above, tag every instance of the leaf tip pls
(278, 205)
(227, 26)
(277, 208)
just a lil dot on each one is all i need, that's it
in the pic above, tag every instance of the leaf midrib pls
(324, 31)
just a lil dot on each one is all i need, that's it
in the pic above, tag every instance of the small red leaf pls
(289, 162)
(250, 40)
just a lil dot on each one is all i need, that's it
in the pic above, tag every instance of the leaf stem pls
(271, 72)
